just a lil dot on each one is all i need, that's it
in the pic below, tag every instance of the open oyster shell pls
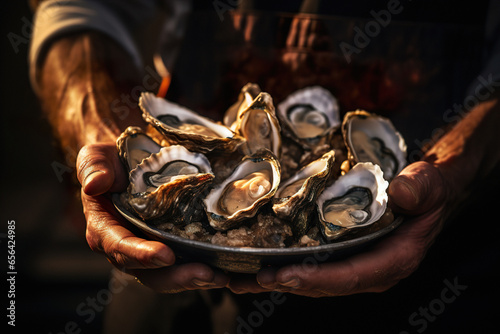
(373, 138)
(247, 94)
(259, 126)
(170, 184)
(173, 185)
(252, 184)
(134, 145)
(354, 200)
(296, 197)
(185, 127)
(309, 115)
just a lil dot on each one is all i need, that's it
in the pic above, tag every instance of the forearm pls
(469, 152)
(80, 78)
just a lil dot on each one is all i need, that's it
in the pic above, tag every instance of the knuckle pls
(93, 242)
(118, 259)
(352, 285)
(144, 258)
(84, 161)
(89, 158)
(349, 287)
(127, 251)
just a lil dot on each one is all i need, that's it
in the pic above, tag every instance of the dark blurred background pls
(57, 272)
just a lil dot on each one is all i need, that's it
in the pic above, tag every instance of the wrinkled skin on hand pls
(100, 173)
(427, 192)
(419, 191)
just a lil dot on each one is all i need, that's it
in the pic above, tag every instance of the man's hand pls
(419, 190)
(100, 172)
(427, 192)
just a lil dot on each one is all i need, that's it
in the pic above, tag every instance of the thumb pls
(417, 189)
(99, 169)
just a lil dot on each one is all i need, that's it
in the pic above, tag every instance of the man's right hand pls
(100, 173)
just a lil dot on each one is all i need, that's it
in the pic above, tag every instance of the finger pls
(417, 189)
(191, 276)
(240, 284)
(372, 271)
(107, 233)
(266, 278)
(99, 169)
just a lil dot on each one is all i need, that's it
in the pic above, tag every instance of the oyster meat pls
(309, 114)
(252, 184)
(292, 177)
(354, 200)
(259, 126)
(373, 138)
(169, 184)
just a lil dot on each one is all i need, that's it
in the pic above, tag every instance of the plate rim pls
(288, 251)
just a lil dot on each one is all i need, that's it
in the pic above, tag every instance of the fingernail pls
(291, 283)
(411, 190)
(91, 176)
(202, 284)
(268, 285)
(87, 182)
(267, 278)
(404, 194)
(238, 291)
(161, 263)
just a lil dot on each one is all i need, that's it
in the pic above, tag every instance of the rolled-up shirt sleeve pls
(55, 18)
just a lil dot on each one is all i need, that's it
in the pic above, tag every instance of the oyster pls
(134, 145)
(356, 199)
(295, 198)
(275, 171)
(259, 126)
(168, 185)
(185, 127)
(252, 184)
(373, 138)
(248, 93)
(309, 115)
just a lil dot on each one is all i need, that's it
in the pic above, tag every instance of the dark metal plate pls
(249, 259)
